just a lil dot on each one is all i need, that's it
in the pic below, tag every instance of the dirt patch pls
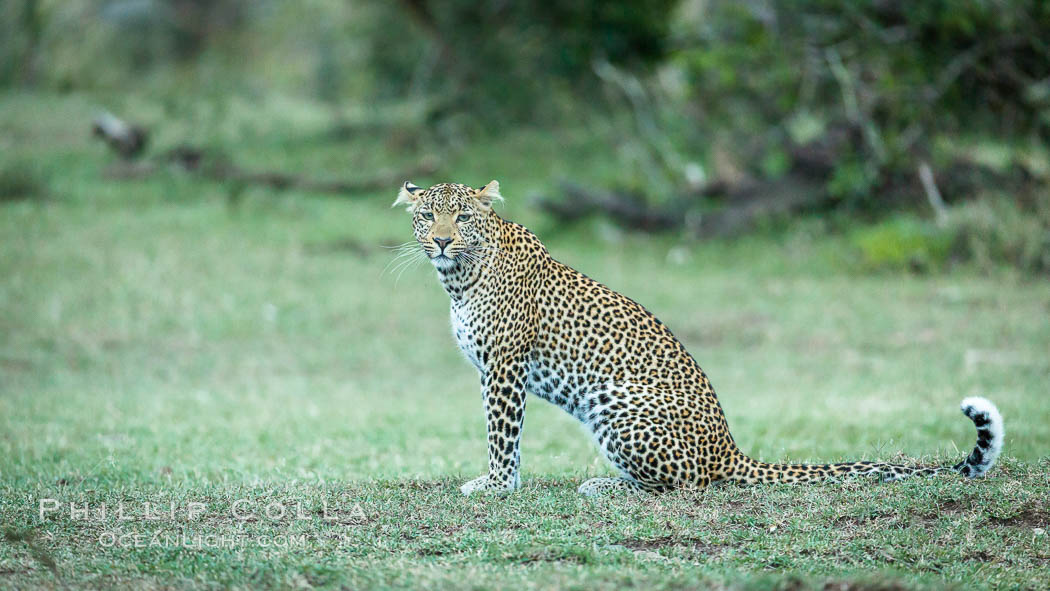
(420, 484)
(947, 508)
(979, 556)
(858, 520)
(734, 507)
(543, 556)
(433, 551)
(1028, 517)
(654, 544)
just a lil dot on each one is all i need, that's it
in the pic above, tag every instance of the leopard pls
(530, 324)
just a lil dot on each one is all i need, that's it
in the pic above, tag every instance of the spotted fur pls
(531, 324)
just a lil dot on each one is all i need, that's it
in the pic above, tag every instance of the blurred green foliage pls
(993, 232)
(21, 180)
(688, 99)
(896, 75)
(902, 243)
(985, 233)
(505, 60)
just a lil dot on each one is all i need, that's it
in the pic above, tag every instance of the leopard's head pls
(451, 221)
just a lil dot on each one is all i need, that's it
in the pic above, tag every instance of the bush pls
(993, 232)
(903, 243)
(897, 75)
(989, 233)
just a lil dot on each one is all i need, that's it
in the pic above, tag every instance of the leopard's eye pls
(463, 217)
(426, 215)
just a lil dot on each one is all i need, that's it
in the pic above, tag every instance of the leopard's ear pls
(488, 193)
(407, 196)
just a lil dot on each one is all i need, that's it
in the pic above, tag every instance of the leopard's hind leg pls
(638, 429)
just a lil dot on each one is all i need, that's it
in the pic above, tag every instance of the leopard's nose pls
(442, 243)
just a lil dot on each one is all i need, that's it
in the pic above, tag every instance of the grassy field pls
(162, 343)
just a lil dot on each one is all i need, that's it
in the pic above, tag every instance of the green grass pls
(158, 344)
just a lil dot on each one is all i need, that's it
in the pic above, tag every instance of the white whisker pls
(394, 262)
(412, 262)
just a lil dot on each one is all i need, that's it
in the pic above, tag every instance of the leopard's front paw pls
(486, 483)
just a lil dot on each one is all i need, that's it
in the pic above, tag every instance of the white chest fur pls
(461, 317)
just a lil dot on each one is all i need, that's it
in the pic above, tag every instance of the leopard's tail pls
(990, 436)
(982, 412)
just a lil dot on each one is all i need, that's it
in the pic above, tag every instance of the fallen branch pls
(626, 209)
(286, 181)
(129, 140)
(748, 203)
(760, 201)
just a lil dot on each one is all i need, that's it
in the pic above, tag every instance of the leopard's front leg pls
(503, 394)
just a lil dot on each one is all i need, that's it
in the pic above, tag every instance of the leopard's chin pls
(442, 262)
